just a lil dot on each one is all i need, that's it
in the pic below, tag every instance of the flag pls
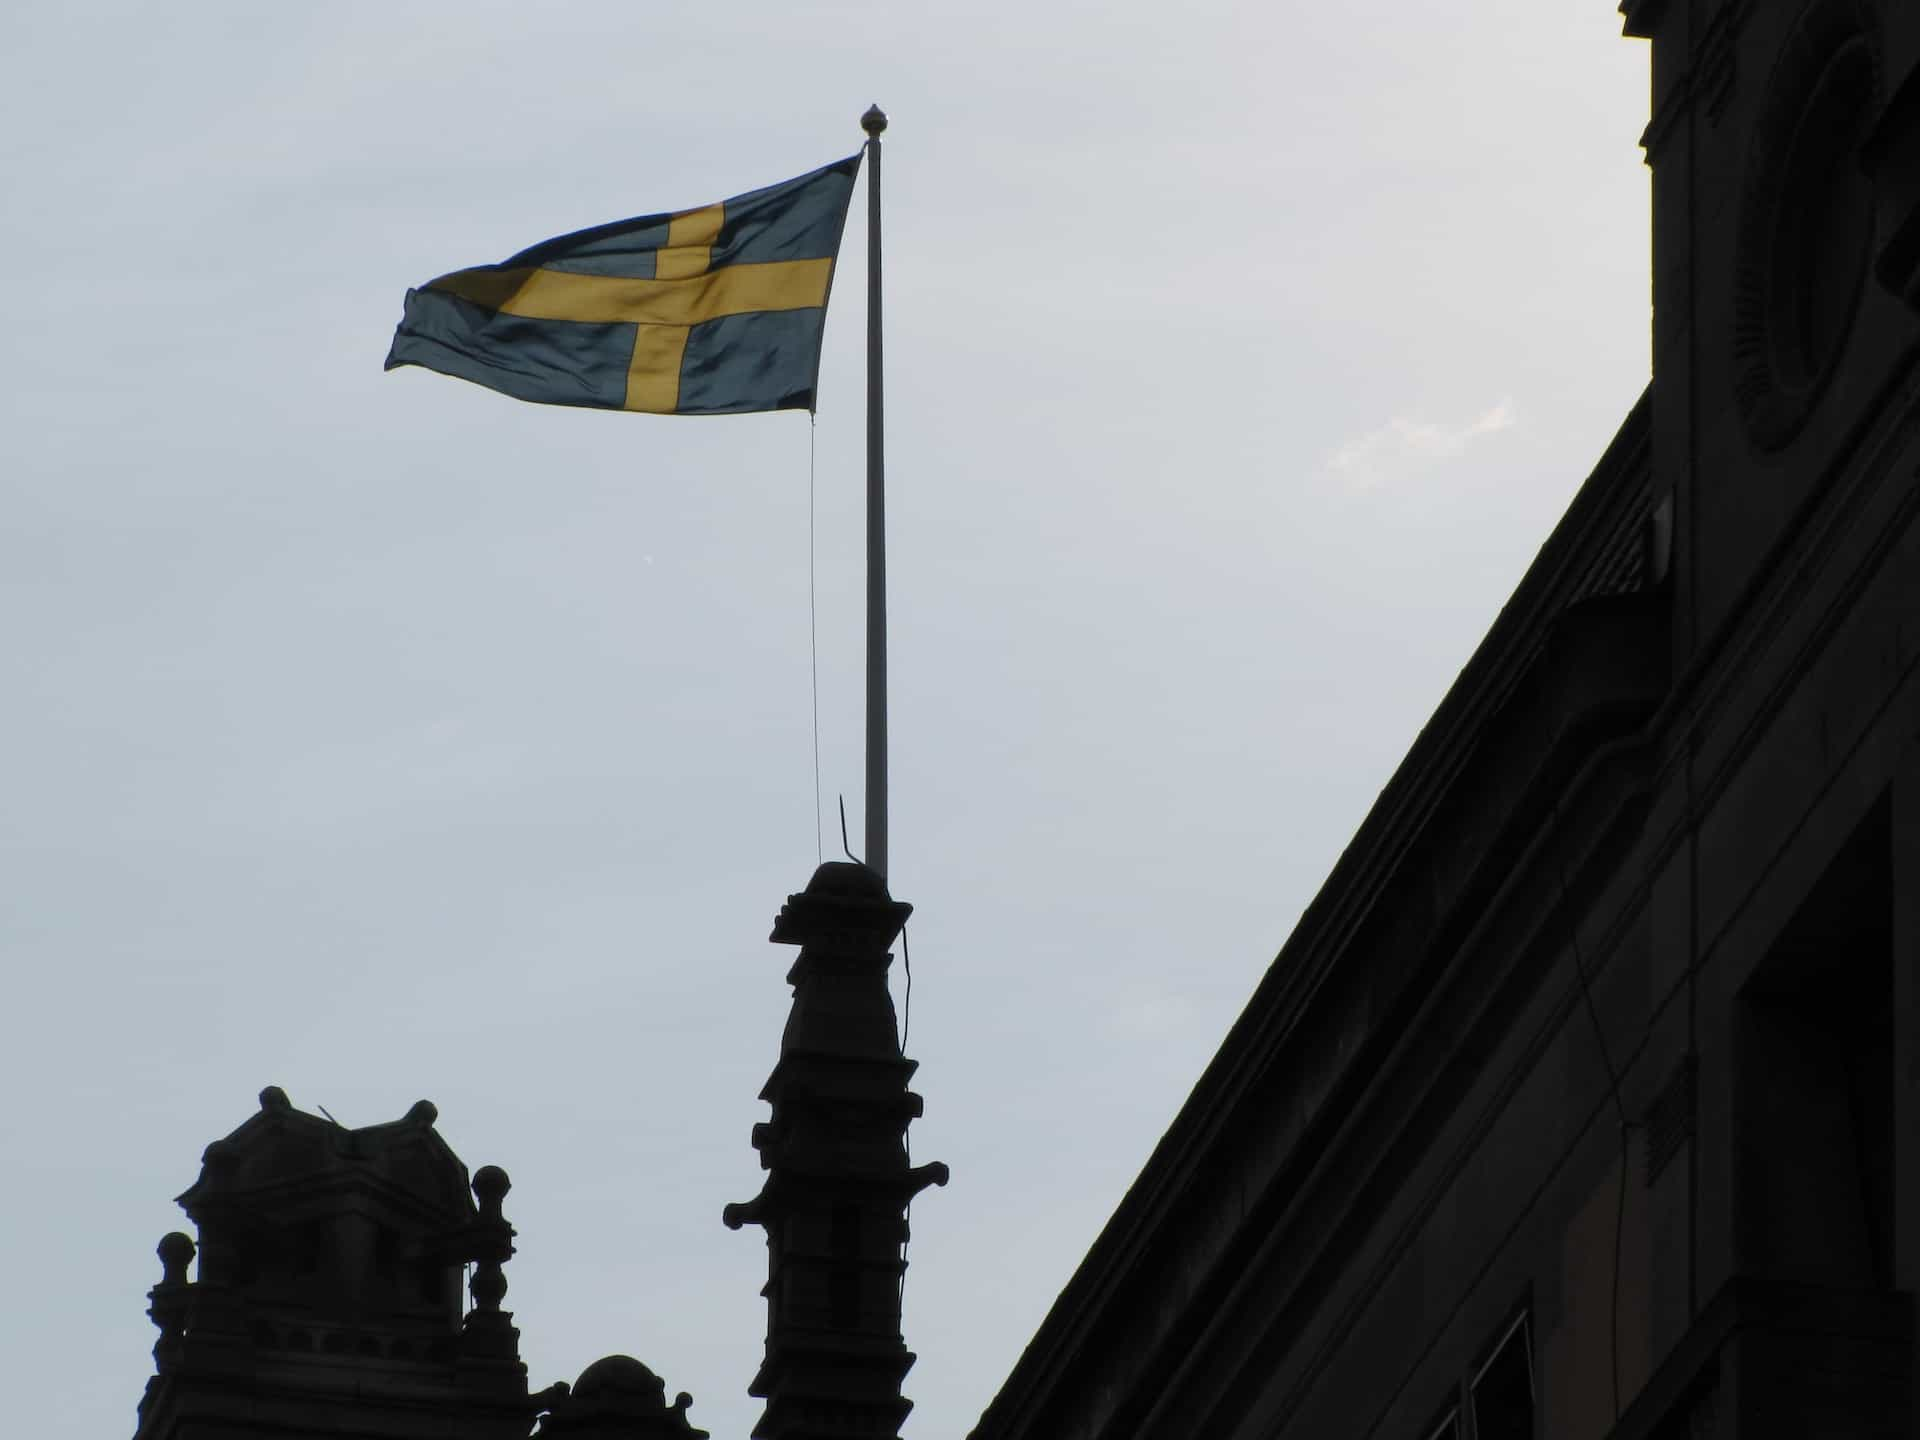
(712, 311)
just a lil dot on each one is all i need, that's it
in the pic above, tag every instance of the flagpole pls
(873, 122)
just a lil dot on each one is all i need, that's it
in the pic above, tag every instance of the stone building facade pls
(1584, 1101)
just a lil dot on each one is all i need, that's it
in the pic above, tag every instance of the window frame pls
(1456, 1418)
(1518, 1322)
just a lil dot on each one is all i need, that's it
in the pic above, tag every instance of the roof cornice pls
(1639, 18)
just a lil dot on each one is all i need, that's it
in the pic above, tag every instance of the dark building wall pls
(1598, 1048)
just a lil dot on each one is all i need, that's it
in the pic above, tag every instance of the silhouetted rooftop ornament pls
(321, 1248)
(167, 1301)
(838, 1178)
(616, 1398)
(489, 1243)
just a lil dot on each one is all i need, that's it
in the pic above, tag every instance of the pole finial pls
(874, 121)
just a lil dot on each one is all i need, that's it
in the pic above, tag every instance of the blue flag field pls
(713, 311)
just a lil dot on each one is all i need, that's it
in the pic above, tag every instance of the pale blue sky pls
(379, 737)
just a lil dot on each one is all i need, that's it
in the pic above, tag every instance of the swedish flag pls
(712, 311)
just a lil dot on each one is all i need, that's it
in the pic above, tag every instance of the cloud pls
(1403, 446)
(1144, 1011)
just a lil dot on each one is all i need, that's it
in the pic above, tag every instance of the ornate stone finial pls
(874, 121)
(425, 1112)
(274, 1100)
(492, 1245)
(168, 1302)
(616, 1395)
(490, 1186)
(176, 1253)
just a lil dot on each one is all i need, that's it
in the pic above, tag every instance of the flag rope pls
(906, 1137)
(813, 635)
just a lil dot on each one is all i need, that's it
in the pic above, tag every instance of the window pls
(1501, 1396)
(1814, 1081)
(1495, 1401)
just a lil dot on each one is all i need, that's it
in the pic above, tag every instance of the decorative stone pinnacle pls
(169, 1301)
(492, 1245)
(838, 1179)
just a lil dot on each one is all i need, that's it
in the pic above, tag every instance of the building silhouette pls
(1584, 1100)
(327, 1300)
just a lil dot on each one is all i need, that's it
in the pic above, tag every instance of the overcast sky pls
(379, 737)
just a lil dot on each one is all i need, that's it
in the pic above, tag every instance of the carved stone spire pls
(838, 1181)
